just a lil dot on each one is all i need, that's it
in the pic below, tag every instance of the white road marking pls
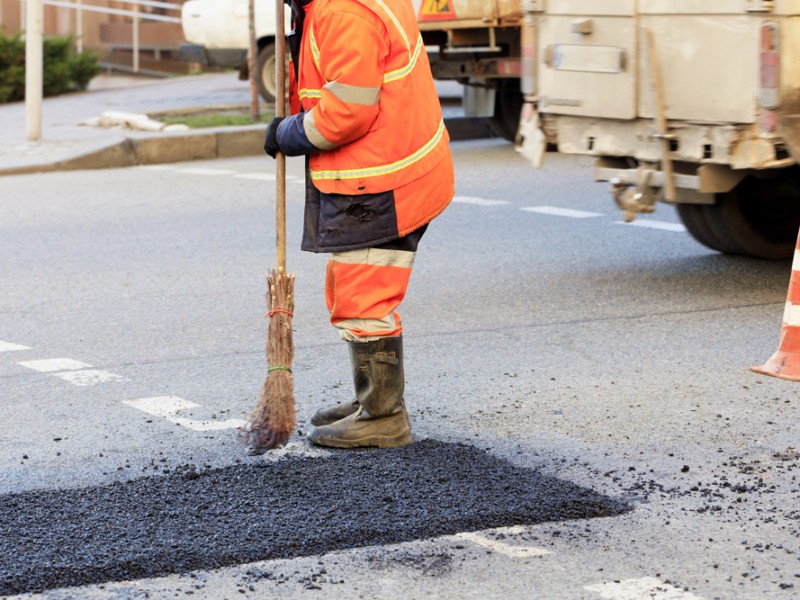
(482, 538)
(258, 176)
(87, 377)
(74, 371)
(562, 212)
(9, 347)
(479, 201)
(168, 407)
(203, 171)
(263, 176)
(650, 224)
(647, 588)
(51, 365)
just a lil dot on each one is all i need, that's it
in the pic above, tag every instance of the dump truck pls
(478, 43)
(475, 42)
(694, 103)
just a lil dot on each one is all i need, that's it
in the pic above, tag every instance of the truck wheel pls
(265, 66)
(507, 109)
(761, 216)
(695, 219)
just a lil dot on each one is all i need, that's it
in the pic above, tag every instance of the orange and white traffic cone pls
(785, 363)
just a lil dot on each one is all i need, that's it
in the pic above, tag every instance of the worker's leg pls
(364, 289)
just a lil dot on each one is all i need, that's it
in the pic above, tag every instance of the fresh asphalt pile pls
(203, 519)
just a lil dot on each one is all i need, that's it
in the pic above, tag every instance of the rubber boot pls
(381, 419)
(331, 414)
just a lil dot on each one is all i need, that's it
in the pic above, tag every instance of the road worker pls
(378, 170)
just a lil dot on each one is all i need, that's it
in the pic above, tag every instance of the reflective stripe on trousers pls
(363, 289)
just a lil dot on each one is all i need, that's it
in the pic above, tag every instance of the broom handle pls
(280, 111)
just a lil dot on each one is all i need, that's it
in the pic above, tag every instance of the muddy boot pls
(331, 414)
(381, 419)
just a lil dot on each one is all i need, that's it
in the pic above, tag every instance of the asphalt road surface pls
(585, 422)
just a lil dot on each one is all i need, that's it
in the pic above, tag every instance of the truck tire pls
(265, 66)
(695, 219)
(507, 109)
(760, 218)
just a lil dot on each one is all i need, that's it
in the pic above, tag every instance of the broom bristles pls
(273, 419)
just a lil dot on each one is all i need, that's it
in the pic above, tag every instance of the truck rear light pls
(769, 86)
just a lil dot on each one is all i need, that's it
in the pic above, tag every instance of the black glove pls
(271, 146)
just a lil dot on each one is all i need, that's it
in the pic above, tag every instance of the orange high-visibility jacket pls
(379, 156)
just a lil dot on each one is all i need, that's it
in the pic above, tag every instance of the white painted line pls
(481, 539)
(650, 224)
(51, 365)
(168, 407)
(161, 406)
(258, 176)
(9, 347)
(264, 176)
(87, 377)
(562, 212)
(479, 201)
(208, 425)
(647, 588)
(202, 171)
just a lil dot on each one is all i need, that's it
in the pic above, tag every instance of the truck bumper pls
(227, 58)
(696, 184)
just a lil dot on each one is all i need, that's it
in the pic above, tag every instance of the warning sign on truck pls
(436, 10)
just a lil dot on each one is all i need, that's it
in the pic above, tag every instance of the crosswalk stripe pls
(168, 407)
(650, 224)
(9, 347)
(480, 539)
(561, 212)
(646, 588)
(478, 201)
(51, 365)
(87, 377)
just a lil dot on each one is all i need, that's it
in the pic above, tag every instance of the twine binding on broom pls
(273, 419)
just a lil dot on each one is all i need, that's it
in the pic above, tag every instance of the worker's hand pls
(271, 146)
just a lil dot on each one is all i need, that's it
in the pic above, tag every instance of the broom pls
(273, 419)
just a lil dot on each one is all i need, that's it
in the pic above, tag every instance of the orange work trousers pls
(364, 287)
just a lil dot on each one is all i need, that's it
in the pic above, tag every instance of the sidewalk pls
(66, 144)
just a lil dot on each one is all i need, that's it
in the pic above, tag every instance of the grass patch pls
(198, 121)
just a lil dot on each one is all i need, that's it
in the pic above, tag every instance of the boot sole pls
(371, 441)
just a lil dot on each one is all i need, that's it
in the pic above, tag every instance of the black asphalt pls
(204, 519)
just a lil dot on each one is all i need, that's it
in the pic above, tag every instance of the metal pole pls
(136, 38)
(252, 61)
(34, 69)
(79, 27)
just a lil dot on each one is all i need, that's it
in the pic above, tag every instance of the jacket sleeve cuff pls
(292, 138)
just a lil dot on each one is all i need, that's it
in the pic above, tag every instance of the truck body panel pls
(222, 24)
(695, 102)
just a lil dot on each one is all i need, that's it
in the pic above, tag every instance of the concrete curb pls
(134, 149)
(138, 148)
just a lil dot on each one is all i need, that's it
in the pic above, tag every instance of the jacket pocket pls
(347, 222)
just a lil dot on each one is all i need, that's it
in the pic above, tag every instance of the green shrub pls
(64, 69)
(12, 68)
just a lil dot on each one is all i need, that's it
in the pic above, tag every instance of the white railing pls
(136, 15)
